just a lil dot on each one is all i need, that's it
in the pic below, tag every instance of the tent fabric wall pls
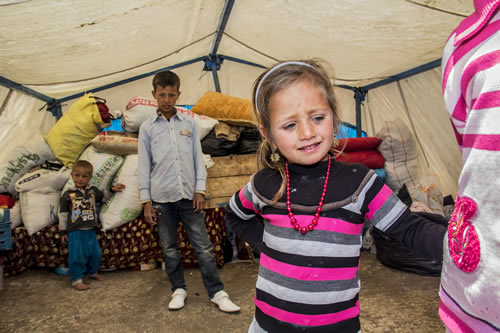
(21, 120)
(67, 47)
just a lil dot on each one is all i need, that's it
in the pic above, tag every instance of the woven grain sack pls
(398, 146)
(20, 160)
(139, 109)
(41, 178)
(116, 143)
(76, 128)
(39, 208)
(123, 206)
(105, 168)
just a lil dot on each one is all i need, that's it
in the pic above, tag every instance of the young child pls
(314, 208)
(172, 183)
(470, 280)
(77, 224)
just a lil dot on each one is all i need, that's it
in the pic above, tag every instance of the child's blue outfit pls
(78, 219)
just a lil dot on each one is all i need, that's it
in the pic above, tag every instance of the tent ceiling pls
(62, 47)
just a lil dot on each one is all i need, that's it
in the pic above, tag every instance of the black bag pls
(392, 253)
(213, 146)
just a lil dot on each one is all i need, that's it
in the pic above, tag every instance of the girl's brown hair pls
(274, 80)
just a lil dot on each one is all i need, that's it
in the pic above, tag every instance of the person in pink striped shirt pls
(470, 280)
(313, 208)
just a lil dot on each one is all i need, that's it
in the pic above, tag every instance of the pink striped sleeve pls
(377, 202)
(482, 142)
(244, 201)
(478, 65)
(466, 48)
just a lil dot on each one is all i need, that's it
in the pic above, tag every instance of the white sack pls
(39, 208)
(139, 109)
(21, 159)
(399, 148)
(123, 206)
(15, 215)
(105, 168)
(41, 178)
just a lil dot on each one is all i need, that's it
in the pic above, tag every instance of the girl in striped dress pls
(313, 207)
(470, 280)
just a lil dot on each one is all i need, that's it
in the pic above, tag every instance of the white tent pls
(387, 50)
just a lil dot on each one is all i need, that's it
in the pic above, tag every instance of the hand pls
(149, 213)
(118, 187)
(64, 239)
(198, 202)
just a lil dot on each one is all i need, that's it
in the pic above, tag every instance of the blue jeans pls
(84, 253)
(168, 215)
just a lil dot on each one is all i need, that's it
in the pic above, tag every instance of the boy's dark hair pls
(165, 79)
(83, 164)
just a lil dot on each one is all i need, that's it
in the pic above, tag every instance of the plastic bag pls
(392, 253)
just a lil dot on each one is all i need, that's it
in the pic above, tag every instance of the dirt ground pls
(135, 301)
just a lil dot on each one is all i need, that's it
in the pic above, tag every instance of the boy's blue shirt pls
(171, 164)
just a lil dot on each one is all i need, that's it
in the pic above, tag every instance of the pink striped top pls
(470, 282)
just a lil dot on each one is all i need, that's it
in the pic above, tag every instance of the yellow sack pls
(231, 110)
(74, 131)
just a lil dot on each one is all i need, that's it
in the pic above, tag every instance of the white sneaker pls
(178, 298)
(221, 298)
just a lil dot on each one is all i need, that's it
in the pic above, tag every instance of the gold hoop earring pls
(275, 157)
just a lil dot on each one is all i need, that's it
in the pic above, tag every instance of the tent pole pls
(226, 12)
(216, 77)
(11, 84)
(359, 95)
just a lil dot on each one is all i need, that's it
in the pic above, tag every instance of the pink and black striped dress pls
(470, 281)
(311, 282)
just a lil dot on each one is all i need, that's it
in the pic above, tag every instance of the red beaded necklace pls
(314, 221)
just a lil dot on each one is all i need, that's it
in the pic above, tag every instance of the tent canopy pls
(60, 49)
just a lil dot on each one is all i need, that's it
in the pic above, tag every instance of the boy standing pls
(77, 224)
(172, 180)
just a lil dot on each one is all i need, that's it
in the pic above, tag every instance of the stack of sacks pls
(77, 127)
(236, 132)
(399, 148)
(362, 150)
(39, 194)
(105, 168)
(139, 109)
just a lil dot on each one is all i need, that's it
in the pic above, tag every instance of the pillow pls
(232, 110)
(74, 130)
(354, 144)
(370, 158)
